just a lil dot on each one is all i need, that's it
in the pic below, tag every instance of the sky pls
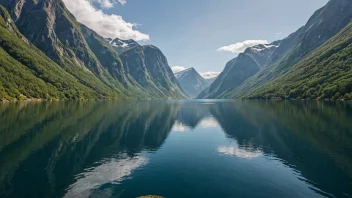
(204, 34)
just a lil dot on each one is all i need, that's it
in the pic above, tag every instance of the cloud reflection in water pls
(111, 171)
(239, 152)
(208, 122)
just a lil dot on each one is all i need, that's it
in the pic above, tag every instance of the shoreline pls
(38, 100)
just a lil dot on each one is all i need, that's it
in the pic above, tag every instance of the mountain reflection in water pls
(175, 149)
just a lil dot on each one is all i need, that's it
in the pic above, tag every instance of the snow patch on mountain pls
(262, 47)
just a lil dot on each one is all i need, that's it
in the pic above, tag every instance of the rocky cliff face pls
(147, 68)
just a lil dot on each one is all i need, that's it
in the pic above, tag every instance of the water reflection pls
(239, 152)
(111, 171)
(314, 138)
(207, 122)
(84, 143)
(77, 149)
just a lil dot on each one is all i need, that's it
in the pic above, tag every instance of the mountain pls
(89, 59)
(147, 66)
(142, 71)
(239, 69)
(210, 77)
(51, 28)
(192, 82)
(287, 57)
(210, 80)
(324, 74)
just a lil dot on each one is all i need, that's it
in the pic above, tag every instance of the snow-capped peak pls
(261, 47)
(118, 43)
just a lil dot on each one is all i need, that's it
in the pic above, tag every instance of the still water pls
(176, 149)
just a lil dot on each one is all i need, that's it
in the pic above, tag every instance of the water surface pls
(176, 149)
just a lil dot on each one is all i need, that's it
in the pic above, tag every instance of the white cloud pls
(240, 47)
(123, 2)
(176, 69)
(210, 75)
(108, 26)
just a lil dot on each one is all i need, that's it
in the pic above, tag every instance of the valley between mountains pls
(45, 53)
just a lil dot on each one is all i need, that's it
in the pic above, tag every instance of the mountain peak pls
(120, 45)
(187, 71)
(191, 81)
(191, 69)
(261, 48)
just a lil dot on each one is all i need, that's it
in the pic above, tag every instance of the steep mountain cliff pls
(192, 82)
(322, 26)
(92, 60)
(147, 67)
(142, 71)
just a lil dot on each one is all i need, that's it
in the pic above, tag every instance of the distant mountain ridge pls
(276, 75)
(192, 82)
(103, 67)
(211, 80)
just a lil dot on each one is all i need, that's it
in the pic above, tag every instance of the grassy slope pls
(27, 73)
(324, 74)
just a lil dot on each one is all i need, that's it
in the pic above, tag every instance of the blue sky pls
(189, 32)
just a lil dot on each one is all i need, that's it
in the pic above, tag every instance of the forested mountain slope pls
(325, 74)
(304, 44)
(87, 57)
(27, 73)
